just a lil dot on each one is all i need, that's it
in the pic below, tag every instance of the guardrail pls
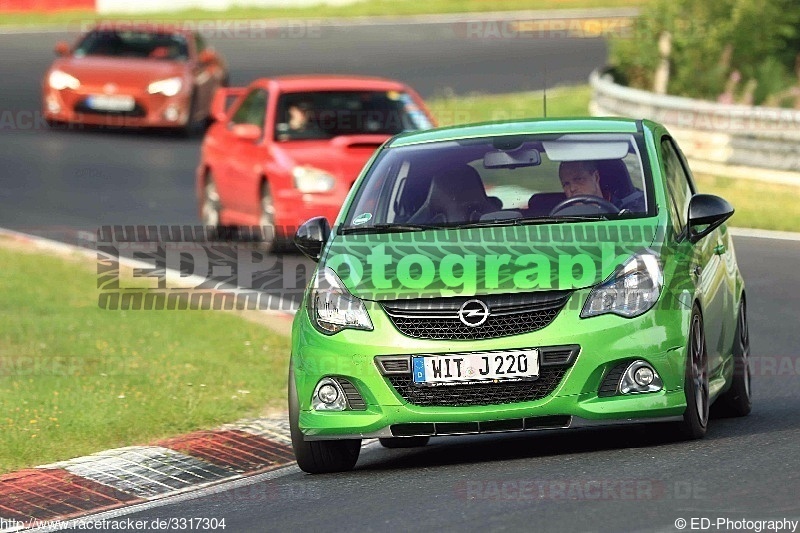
(737, 135)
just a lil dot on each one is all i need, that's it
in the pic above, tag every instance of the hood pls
(342, 156)
(497, 260)
(123, 71)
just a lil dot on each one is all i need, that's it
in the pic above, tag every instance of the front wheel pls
(736, 401)
(695, 418)
(194, 127)
(323, 456)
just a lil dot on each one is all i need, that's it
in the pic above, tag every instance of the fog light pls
(328, 396)
(640, 376)
(643, 376)
(171, 113)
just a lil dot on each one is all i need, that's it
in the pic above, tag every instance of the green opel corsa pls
(517, 276)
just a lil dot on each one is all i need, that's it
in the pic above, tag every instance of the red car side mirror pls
(246, 132)
(62, 49)
(207, 56)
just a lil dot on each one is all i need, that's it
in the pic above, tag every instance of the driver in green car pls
(583, 178)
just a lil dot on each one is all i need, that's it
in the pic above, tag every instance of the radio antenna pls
(544, 91)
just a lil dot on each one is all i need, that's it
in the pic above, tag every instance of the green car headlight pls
(333, 308)
(632, 290)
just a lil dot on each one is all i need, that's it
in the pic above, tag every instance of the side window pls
(253, 109)
(678, 183)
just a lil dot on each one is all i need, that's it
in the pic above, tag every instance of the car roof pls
(335, 83)
(518, 127)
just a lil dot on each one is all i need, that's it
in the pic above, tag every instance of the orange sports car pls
(134, 76)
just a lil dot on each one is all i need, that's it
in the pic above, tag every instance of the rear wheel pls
(736, 401)
(404, 442)
(322, 456)
(695, 418)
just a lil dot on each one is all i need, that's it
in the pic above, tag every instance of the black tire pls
(267, 232)
(404, 442)
(193, 127)
(695, 418)
(737, 400)
(210, 213)
(322, 456)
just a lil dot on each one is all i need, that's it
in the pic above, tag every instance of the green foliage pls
(710, 40)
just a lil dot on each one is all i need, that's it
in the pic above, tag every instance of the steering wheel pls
(585, 199)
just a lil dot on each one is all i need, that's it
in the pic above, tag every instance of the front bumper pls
(657, 337)
(150, 110)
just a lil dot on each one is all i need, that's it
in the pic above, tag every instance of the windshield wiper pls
(386, 228)
(529, 221)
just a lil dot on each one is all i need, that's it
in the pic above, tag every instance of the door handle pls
(720, 249)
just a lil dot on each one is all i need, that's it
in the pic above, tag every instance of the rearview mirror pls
(312, 236)
(246, 132)
(706, 213)
(522, 157)
(62, 49)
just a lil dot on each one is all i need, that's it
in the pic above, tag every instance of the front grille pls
(509, 314)
(137, 111)
(478, 393)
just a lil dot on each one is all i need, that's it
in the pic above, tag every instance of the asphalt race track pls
(57, 182)
(141, 178)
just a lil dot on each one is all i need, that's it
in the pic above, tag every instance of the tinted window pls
(678, 183)
(327, 114)
(498, 179)
(136, 44)
(253, 109)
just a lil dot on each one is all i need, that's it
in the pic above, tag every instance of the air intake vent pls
(354, 399)
(609, 385)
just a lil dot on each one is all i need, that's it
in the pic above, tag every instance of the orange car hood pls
(125, 72)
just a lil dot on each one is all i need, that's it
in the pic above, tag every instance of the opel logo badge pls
(109, 88)
(473, 313)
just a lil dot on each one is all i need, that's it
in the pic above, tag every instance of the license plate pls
(473, 367)
(111, 103)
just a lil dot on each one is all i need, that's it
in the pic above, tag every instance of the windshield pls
(136, 44)
(502, 180)
(327, 114)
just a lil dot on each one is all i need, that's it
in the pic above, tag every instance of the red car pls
(134, 75)
(289, 148)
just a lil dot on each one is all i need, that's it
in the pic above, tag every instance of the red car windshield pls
(134, 44)
(328, 114)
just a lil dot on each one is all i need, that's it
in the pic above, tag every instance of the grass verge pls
(76, 379)
(360, 9)
(758, 204)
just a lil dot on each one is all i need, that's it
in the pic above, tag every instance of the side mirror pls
(207, 56)
(246, 132)
(62, 49)
(706, 213)
(312, 236)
